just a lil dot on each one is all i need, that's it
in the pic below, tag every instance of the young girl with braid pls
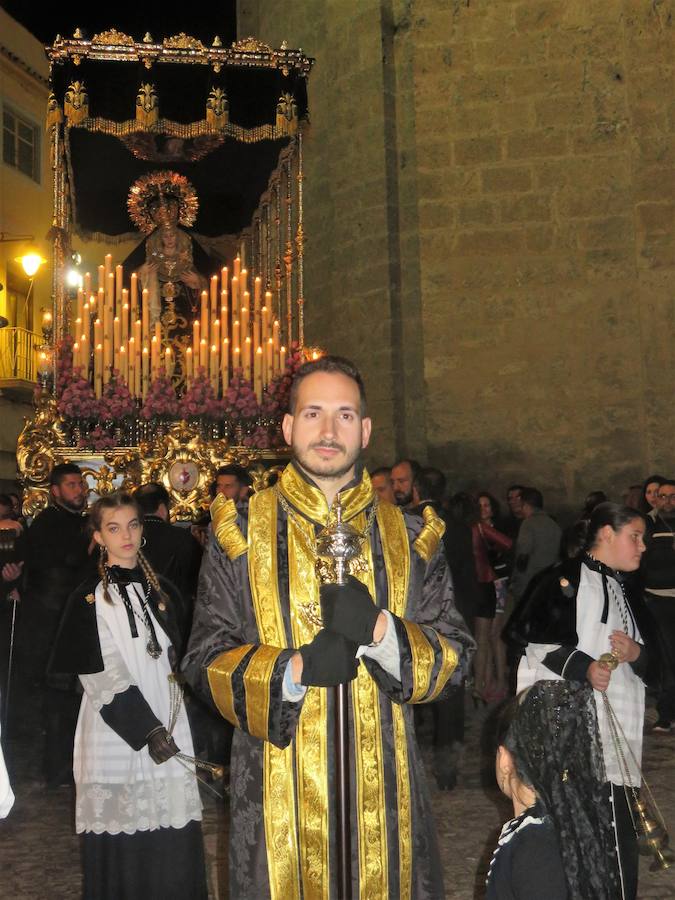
(137, 803)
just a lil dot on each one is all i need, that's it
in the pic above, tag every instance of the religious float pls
(170, 347)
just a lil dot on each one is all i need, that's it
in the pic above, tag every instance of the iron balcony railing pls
(19, 354)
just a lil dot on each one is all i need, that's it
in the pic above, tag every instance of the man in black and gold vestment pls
(267, 641)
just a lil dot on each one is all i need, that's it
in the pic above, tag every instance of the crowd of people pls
(116, 604)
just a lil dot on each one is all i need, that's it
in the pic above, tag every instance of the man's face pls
(228, 486)
(666, 500)
(515, 503)
(402, 483)
(382, 487)
(326, 430)
(71, 492)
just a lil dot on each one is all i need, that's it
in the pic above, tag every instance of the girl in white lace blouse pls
(137, 804)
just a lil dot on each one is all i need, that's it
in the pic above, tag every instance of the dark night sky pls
(160, 19)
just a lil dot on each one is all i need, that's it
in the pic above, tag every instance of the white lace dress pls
(119, 789)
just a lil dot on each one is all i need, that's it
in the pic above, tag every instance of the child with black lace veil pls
(137, 803)
(549, 762)
(575, 619)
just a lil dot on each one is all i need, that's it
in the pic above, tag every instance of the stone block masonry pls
(505, 279)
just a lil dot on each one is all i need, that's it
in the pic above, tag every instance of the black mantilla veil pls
(554, 739)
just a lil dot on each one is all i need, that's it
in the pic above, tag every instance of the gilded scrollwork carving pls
(113, 38)
(39, 442)
(76, 103)
(183, 41)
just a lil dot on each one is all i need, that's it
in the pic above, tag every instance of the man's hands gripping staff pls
(350, 620)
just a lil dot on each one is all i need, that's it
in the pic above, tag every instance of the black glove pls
(328, 660)
(349, 610)
(161, 746)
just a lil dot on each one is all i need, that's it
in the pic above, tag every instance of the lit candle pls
(108, 265)
(98, 370)
(205, 316)
(80, 303)
(86, 284)
(118, 288)
(265, 323)
(282, 358)
(195, 342)
(100, 303)
(77, 328)
(223, 280)
(236, 334)
(168, 362)
(236, 358)
(243, 281)
(213, 299)
(98, 333)
(84, 355)
(189, 367)
(134, 296)
(275, 335)
(224, 318)
(235, 297)
(76, 356)
(117, 342)
(215, 332)
(125, 322)
(123, 364)
(237, 266)
(145, 379)
(257, 288)
(131, 363)
(213, 367)
(247, 358)
(269, 361)
(256, 330)
(257, 373)
(225, 364)
(145, 314)
(244, 322)
(154, 356)
(203, 355)
(101, 278)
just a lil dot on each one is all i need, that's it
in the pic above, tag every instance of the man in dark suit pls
(170, 549)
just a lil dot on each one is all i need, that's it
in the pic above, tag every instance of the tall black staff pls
(341, 542)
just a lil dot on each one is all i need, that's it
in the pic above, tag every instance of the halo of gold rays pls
(170, 185)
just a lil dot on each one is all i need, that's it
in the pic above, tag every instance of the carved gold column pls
(299, 248)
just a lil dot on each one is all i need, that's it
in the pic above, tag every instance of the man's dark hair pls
(415, 467)
(60, 471)
(532, 497)
(382, 470)
(515, 487)
(150, 497)
(237, 471)
(435, 482)
(332, 365)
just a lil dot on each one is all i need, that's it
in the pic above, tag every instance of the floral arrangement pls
(99, 438)
(161, 400)
(116, 401)
(64, 364)
(198, 399)
(78, 400)
(240, 399)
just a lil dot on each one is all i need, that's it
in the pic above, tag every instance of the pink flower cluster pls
(64, 364)
(198, 399)
(240, 401)
(161, 399)
(259, 438)
(99, 438)
(78, 400)
(116, 401)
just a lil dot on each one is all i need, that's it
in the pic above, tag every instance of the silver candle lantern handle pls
(340, 542)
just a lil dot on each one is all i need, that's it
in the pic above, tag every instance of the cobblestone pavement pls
(39, 854)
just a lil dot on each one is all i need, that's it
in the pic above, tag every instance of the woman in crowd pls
(572, 615)
(489, 667)
(650, 491)
(549, 763)
(137, 804)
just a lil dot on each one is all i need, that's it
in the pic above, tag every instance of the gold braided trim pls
(220, 674)
(311, 502)
(257, 686)
(423, 658)
(396, 550)
(449, 663)
(227, 532)
(184, 130)
(369, 765)
(427, 541)
(281, 835)
(311, 754)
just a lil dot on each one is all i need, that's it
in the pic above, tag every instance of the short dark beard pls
(315, 473)
(405, 500)
(70, 507)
